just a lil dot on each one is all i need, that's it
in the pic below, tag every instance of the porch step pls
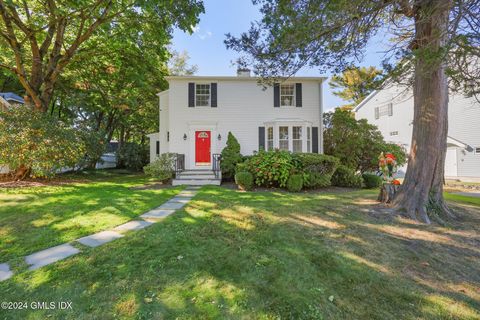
(196, 182)
(197, 177)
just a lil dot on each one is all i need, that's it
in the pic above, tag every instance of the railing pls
(179, 164)
(217, 158)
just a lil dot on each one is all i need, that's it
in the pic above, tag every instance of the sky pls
(207, 50)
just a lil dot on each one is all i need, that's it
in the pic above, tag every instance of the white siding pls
(243, 106)
(464, 116)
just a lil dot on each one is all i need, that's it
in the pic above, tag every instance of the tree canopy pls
(355, 83)
(40, 39)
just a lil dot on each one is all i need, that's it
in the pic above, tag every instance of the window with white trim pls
(269, 138)
(283, 138)
(202, 95)
(287, 95)
(309, 139)
(476, 150)
(297, 137)
(394, 133)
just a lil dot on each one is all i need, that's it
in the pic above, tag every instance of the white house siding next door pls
(451, 162)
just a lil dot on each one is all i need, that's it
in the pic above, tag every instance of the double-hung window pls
(270, 138)
(202, 95)
(287, 95)
(283, 138)
(297, 137)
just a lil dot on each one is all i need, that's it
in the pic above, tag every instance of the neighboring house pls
(196, 114)
(391, 110)
(7, 100)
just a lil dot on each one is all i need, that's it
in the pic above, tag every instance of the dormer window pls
(287, 95)
(202, 95)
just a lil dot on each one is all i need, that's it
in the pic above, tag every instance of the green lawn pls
(269, 255)
(36, 218)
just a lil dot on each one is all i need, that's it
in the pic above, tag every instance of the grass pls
(269, 255)
(36, 218)
(462, 199)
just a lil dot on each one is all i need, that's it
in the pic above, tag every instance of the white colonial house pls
(391, 110)
(198, 112)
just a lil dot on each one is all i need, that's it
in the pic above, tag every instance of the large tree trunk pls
(422, 191)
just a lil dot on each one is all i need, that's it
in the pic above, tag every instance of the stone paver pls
(469, 194)
(183, 200)
(100, 238)
(187, 193)
(50, 255)
(157, 213)
(172, 205)
(133, 225)
(5, 272)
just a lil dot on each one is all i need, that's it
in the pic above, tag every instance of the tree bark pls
(421, 194)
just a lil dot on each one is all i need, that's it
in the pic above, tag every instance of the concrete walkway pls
(48, 256)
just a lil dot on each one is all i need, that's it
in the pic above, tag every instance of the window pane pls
(283, 133)
(297, 145)
(297, 132)
(308, 133)
(283, 145)
(202, 95)
(287, 94)
(270, 145)
(270, 133)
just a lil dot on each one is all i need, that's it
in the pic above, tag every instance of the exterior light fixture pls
(184, 136)
(219, 137)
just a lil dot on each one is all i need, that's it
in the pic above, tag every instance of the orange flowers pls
(396, 182)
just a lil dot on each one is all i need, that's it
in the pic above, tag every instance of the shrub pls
(346, 177)
(295, 183)
(132, 155)
(316, 180)
(271, 168)
(318, 163)
(37, 144)
(244, 180)
(161, 168)
(230, 157)
(371, 180)
(318, 168)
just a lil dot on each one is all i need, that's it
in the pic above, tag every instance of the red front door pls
(202, 147)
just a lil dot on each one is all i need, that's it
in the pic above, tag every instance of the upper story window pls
(477, 150)
(287, 95)
(386, 110)
(202, 95)
(394, 133)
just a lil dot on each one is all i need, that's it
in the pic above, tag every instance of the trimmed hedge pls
(162, 167)
(318, 169)
(371, 180)
(346, 177)
(295, 183)
(244, 180)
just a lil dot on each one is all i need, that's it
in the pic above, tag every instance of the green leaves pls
(37, 141)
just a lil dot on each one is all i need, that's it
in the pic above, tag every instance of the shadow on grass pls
(231, 255)
(33, 219)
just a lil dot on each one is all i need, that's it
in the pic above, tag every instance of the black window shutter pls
(158, 148)
(261, 138)
(276, 95)
(315, 139)
(191, 94)
(213, 87)
(298, 94)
